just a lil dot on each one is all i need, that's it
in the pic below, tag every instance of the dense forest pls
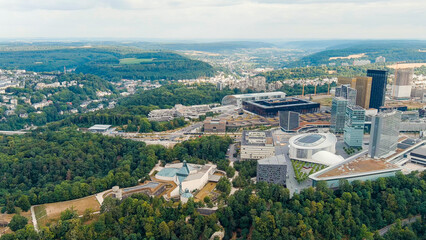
(169, 95)
(263, 211)
(392, 50)
(105, 62)
(52, 166)
(319, 72)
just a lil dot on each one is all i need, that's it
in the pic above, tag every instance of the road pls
(281, 150)
(230, 153)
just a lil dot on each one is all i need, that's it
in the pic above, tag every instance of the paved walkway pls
(404, 222)
(33, 218)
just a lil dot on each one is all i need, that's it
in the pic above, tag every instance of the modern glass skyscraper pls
(338, 113)
(362, 85)
(384, 134)
(345, 91)
(378, 87)
(354, 126)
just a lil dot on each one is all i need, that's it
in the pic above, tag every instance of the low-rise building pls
(359, 167)
(99, 128)
(179, 110)
(272, 170)
(214, 125)
(304, 146)
(271, 107)
(257, 145)
(418, 155)
(187, 177)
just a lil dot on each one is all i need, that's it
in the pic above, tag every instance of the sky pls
(213, 19)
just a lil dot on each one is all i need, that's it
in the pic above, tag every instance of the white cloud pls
(212, 19)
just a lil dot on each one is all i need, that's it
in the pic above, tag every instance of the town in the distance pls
(217, 140)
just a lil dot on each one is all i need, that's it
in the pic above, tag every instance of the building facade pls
(347, 92)
(304, 146)
(214, 125)
(257, 145)
(378, 87)
(384, 134)
(289, 120)
(362, 85)
(272, 170)
(354, 126)
(401, 88)
(338, 114)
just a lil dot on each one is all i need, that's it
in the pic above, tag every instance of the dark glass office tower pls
(378, 87)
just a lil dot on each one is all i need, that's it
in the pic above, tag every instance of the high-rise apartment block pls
(362, 85)
(378, 87)
(401, 88)
(338, 113)
(354, 126)
(384, 134)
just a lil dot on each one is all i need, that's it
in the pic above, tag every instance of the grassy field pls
(135, 60)
(7, 217)
(324, 101)
(205, 191)
(50, 212)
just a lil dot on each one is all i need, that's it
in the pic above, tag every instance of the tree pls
(24, 203)
(17, 222)
(224, 185)
(69, 213)
(164, 230)
(10, 207)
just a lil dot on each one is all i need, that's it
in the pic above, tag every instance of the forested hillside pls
(393, 51)
(355, 211)
(52, 166)
(320, 72)
(169, 95)
(107, 62)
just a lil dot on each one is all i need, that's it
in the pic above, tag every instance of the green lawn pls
(302, 176)
(135, 60)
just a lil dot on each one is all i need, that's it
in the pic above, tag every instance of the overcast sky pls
(213, 19)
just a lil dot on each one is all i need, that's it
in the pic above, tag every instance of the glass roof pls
(310, 140)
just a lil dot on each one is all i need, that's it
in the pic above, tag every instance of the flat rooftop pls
(421, 151)
(99, 127)
(359, 165)
(256, 138)
(274, 160)
(281, 102)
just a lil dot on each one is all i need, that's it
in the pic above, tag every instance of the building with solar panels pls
(303, 146)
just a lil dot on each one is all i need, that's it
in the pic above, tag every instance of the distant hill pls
(203, 46)
(392, 50)
(109, 62)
